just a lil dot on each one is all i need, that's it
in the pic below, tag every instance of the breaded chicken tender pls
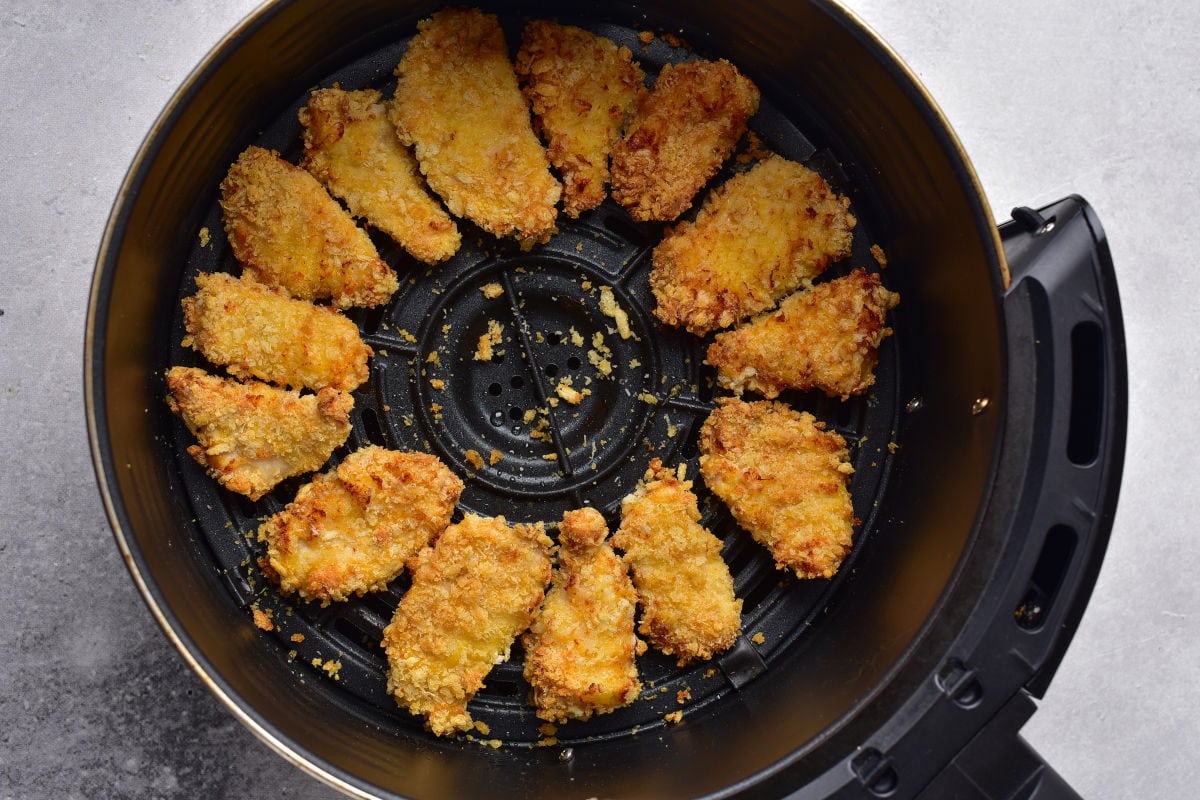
(579, 652)
(288, 232)
(351, 147)
(582, 88)
(824, 338)
(251, 435)
(683, 585)
(758, 237)
(255, 331)
(785, 479)
(681, 133)
(458, 105)
(473, 593)
(352, 529)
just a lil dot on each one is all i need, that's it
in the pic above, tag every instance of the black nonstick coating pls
(651, 405)
(836, 660)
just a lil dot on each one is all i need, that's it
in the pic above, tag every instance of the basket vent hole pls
(551, 370)
(517, 382)
(495, 389)
(515, 413)
(574, 363)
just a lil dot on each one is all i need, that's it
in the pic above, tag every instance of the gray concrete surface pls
(1100, 98)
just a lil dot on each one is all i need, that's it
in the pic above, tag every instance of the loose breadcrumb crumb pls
(494, 457)
(880, 256)
(262, 619)
(758, 638)
(610, 308)
(204, 236)
(474, 459)
(492, 290)
(674, 718)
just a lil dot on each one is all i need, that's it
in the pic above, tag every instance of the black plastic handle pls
(1064, 451)
(1047, 519)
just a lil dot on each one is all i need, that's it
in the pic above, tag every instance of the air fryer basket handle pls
(1063, 314)
(1065, 443)
(1049, 515)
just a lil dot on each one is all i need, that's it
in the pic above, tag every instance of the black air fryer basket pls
(987, 456)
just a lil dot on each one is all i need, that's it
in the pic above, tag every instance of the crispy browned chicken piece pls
(458, 105)
(473, 593)
(683, 585)
(785, 479)
(582, 87)
(824, 338)
(251, 435)
(351, 147)
(352, 529)
(681, 133)
(255, 331)
(579, 652)
(288, 232)
(757, 238)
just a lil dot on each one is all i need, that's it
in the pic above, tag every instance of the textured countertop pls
(1100, 98)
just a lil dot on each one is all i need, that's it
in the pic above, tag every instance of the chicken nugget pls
(582, 88)
(681, 133)
(473, 593)
(288, 232)
(785, 479)
(758, 237)
(458, 105)
(351, 147)
(579, 652)
(256, 331)
(351, 530)
(683, 585)
(251, 435)
(824, 338)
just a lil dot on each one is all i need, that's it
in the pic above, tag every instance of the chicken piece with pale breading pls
(680, 135)
(580, 651)
(758, 237)
(251, 435)
(824, 338)
(458, 105)
(256, 331)
(288, 232)
(473, 593)
(785, 479)
(351, 147)
(683, 585)
(582, 87)
(352, 529)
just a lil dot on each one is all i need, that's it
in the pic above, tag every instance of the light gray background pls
(1097, 97)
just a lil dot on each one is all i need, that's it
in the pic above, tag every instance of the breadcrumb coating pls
(473, 593)
(582, 88)
(288, 232)
(458, 105)
(824, 338)
(256, 331)
(351, 147)
(683, 585)
(785, 479)
(250, 435)
(681, 133)
(351, 530)
(580, 651)
(757, 238)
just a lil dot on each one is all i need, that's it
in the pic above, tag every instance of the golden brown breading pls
(579, 652)
(683, 585)
(351, 530)
(681, 133)
(582, 88)
(251, 435)
(473, 593)
(457, 103)
(824, 338)
(757, 238)
(288, 232)
(351, 147)
(255, 331)
(785, 479)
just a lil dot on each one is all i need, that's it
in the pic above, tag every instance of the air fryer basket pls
(956, 471)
